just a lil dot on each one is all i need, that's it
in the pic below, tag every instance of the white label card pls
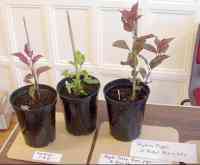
(47, 156)
(177, 152)
(117, 159)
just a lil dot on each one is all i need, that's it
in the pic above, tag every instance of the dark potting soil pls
(124, 94)
(46, 98)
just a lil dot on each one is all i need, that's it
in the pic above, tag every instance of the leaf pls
(22, 58)
(42, 69)
(79, 58)
(91, 81)
(132, 60)
(144, 37)
(138, 46)
(164, 44)
(28, 77)
(150, 48)
(121, 44)
(66, 73)
(36, 58)
(134, 8)
(143, 72)
(157, 61)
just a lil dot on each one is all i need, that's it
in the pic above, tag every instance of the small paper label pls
(116, 159)
(177, 152)
(47, 156)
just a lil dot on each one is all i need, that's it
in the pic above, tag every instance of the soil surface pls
(89, 89)
(46, 97)
(123, 94)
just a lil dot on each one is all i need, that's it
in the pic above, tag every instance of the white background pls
(96, 24)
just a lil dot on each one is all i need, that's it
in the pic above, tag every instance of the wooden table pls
(185, 119)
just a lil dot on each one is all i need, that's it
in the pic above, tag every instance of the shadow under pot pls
(125, 115)
(36, 119)
(80, 111)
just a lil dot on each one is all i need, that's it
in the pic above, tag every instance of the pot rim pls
(75, 98)
(12, 98)
(107, 89)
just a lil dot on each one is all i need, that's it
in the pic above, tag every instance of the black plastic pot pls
(125, 118)
(37, 125)
(80, 112)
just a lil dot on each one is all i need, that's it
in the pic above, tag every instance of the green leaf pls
(143, 72)
(84, 73)
(157, 61)
(79, 58)
(66, 73)
(83, 93)
(91, 81)
(121, 44)
(72, 63)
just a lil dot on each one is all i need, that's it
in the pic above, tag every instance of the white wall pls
(96, 24)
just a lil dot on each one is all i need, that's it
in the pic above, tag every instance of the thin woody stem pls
(32, 67)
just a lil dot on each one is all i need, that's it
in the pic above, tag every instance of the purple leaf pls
(164, 44)
(150, 48)
(28, 77)
(36, 58)
(42, 69)
(22, 58)
(129, 18)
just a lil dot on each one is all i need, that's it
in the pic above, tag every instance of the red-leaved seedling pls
(30, 59)
(138, 73)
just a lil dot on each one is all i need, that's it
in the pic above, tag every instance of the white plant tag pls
(116, 159)
(47, 156)
(177, 152)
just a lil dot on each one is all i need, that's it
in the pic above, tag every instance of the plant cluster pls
(159, 48)
(30, 59)
(76, 80)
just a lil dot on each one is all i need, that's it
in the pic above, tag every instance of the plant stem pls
(133, 84)
(37, 92)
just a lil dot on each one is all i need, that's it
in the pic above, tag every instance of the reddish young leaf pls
(42, 69)
(164, 44)
(36, 58)
(150, 48)
(22, 58)
(129, 18)
(28, 77)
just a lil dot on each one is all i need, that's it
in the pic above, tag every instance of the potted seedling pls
(34, 104)
(126, 98)
(78, 91)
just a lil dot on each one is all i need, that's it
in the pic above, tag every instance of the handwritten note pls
(47, 157)
(117, 159)
(178, 152)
